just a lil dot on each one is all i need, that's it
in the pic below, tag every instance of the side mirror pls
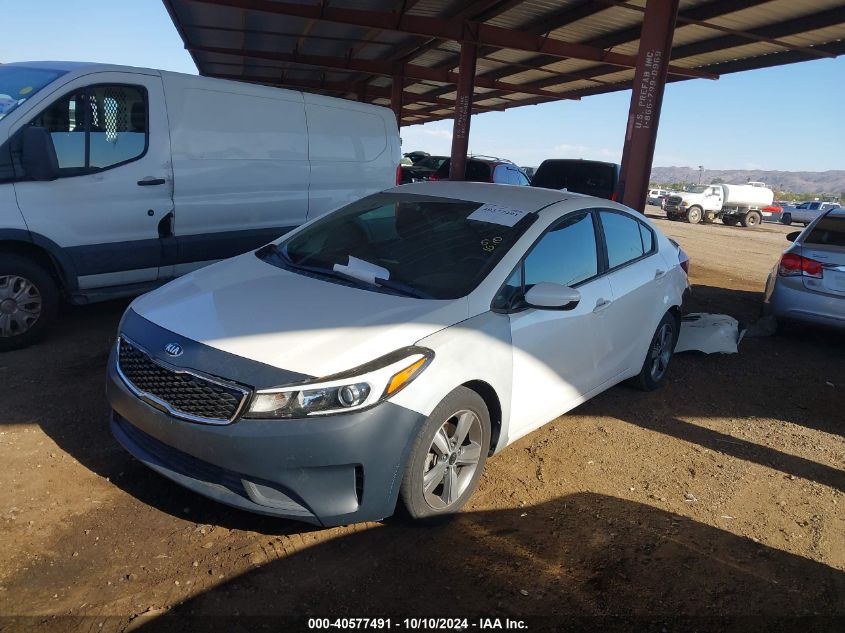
(550, 296)
(793, 236)
(39, 154)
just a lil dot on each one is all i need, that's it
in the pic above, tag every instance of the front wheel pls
(659, 355)
(447, 458)
(29, 301)
(694, 215)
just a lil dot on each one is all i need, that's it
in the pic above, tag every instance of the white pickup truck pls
(733, 204)
(805, 212)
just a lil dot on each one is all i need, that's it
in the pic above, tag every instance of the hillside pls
(795, 181)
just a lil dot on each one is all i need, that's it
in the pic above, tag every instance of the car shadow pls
(579, 562)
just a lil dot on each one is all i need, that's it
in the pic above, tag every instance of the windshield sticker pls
(497, 214)
(26, 90)
(363, 270)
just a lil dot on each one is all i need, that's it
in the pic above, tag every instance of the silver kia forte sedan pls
(808, 283)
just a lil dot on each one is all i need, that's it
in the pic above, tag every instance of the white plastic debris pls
(709, 333)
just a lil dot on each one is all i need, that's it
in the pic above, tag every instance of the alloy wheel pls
(20, 305)
(661, 351)
(452, 459)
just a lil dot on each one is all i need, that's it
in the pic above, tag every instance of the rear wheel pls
(694, 215)
(660, 352)
(447, 458)
(786, 219)
(729, 220)
(752, 219)
(29, 301)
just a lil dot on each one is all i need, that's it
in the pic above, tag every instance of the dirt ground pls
(720, 495)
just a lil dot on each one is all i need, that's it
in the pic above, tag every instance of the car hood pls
(247, 307)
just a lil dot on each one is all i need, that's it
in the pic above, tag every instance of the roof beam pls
(447, 28)
(373, 67)
(343, 87)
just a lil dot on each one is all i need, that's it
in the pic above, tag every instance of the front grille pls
(180, 392)
(675, 200)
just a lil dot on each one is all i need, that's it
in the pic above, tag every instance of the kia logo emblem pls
(174, 349)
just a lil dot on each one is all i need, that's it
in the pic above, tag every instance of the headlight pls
(356, 389)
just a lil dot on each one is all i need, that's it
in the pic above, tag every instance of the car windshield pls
(421, 246)
(19, 83)
(698, 189)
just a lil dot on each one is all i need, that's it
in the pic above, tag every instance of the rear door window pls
(625, 238)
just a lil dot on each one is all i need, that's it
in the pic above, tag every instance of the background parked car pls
(808, 283)
(657, 197)
(590, 177)
(115, 179)
(486, 169)
(416, 156)
(806, 212)
(422, 169)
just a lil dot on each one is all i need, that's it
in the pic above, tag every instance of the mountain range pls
(793, 181)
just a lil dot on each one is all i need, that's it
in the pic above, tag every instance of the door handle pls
(148, 182)
(659, 274)
(601, 304)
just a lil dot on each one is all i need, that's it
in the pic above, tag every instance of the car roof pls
(527, 198)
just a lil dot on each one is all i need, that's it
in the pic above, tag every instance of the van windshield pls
(19, 83)
(413, 245)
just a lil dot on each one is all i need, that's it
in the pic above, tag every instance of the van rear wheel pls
(29, 301)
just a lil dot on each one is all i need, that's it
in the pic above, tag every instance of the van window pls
(97, 128)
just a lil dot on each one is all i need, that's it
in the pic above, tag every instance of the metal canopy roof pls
(530, 51)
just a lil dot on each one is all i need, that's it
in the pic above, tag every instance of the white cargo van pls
(115, 179)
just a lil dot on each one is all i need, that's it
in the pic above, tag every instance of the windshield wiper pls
(396, 286)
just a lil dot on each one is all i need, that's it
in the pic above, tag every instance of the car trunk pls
(826, 244)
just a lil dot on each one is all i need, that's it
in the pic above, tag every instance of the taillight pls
(435, 177)
(792, 265)
(613, 196)
(399, 174)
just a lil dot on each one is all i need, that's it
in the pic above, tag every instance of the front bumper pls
(328, 470)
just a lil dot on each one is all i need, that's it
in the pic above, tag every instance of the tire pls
(434, 447)
(729, 220)
(659, 355)
(786, 218)
(694, 214)
(29, 302)
(751, 219)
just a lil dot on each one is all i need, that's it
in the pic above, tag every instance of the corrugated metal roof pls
(265, 41)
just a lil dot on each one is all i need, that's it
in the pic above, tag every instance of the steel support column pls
(646, 101)
(463, 111)
(396, 98)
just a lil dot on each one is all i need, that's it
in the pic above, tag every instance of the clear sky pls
(787, 118)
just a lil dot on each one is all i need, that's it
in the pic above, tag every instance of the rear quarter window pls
(829, 231)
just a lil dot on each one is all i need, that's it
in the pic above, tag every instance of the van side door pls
(240, 162)
(114, 190)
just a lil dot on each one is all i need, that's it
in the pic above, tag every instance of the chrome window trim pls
(160, 404)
